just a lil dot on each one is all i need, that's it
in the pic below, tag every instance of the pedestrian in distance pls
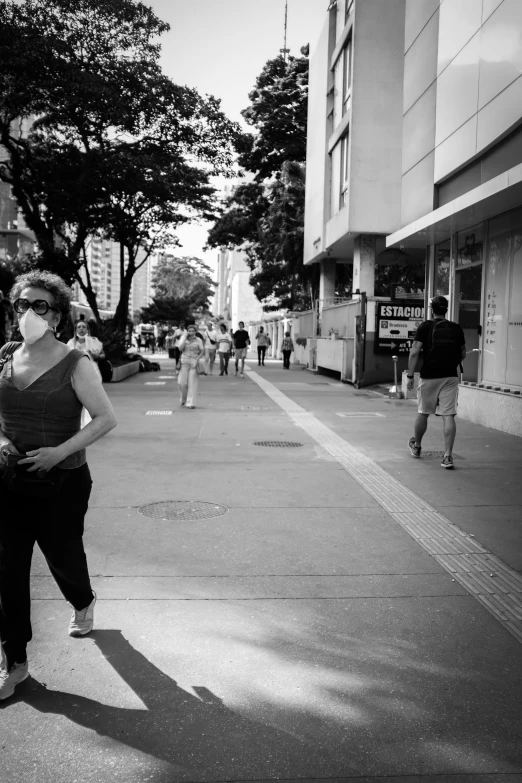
(241, 343)
(45, 483)
(191, 349)
(263, 341)
(178, 334)
(287, 348)
(443, 349)
(211, 346)
(225, 344)
(91, 346)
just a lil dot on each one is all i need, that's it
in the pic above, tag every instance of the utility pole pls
(284, 51)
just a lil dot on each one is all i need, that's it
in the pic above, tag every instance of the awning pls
(500, 194)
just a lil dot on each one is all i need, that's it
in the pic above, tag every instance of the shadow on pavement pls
(197, 735)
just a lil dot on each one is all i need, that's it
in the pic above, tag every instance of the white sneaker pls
(241, 375)
(10, 679)
(82, 622)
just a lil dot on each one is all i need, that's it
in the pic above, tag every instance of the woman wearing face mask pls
(91, 346)
(191, 348)
(45, 483)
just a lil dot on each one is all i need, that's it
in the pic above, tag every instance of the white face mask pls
(33, 326)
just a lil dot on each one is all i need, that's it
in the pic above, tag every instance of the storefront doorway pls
(468, 288)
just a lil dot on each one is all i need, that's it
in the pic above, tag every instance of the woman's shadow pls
(195, 734)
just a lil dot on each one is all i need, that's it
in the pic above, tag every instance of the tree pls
(278, 111)
(98, 139)
(182, 287)
(266, 217)
(278, 275)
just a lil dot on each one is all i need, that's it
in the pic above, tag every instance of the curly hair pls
(60, 292)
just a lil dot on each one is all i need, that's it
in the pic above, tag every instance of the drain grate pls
(282, 443)
(182, 510)
(438, 455)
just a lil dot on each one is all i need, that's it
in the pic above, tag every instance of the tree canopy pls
(278, 112)
(98, 139)
(265, 217)
(183, 287)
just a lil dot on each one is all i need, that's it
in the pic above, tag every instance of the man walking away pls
(443, 350)
(241, 341)
(262, 344)
(178, 334)
(287, 348)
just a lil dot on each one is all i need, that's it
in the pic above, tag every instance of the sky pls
(219, 47)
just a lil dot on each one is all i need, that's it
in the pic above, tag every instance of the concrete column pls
(327, 283)
(272, 339)
(364, 253)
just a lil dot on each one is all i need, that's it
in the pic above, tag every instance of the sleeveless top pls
(45, 413)
(191, 351)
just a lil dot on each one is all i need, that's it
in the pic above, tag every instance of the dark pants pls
(261, 350)
(224, 358)
(286, 359)
(56, 525)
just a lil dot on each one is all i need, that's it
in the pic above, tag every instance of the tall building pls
(235, 299)
(103, 264)
(15, 238)
(414, 181)
(461, 186)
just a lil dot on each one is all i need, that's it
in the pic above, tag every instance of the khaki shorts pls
(241, 353)
(438, 396)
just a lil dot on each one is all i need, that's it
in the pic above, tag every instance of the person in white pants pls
(191, 348)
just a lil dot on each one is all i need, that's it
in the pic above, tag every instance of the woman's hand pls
(7, 445)
(42, 459)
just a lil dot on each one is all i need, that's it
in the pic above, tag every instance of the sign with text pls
(396, 325)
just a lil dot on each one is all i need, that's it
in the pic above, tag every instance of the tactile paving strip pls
(496, 586)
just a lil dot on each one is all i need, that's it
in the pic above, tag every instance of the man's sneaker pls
(10, 679)
(241, 375)
(82, 622)
(415, 450)
(447, 462)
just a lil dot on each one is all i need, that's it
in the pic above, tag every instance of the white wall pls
(376, 125)
(317, 183)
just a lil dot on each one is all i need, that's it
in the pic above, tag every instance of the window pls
(345, 170)
(347, 75)
(338, 92)
(442, 268)
(349, 8)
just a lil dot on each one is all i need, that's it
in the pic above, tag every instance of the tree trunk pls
(121, 316)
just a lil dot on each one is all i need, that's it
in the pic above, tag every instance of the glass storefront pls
(480, 271)
(502, 344)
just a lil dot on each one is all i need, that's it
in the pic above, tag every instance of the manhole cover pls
(438, 455)
(182, 509)
(282, 443)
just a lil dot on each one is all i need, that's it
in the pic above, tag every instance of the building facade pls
(235, 299)
(461, 194)
(414, 180)
(103, 265)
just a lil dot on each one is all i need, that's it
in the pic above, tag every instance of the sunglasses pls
(40, 306)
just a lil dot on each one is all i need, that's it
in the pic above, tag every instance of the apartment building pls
(353, 179)
(103, 264)
(235, 299)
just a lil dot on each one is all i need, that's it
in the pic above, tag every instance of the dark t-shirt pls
(439, 368)
(241, 338)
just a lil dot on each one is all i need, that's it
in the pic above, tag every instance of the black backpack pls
(445, 343)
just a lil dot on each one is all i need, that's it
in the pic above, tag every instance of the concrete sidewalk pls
(304, 633)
